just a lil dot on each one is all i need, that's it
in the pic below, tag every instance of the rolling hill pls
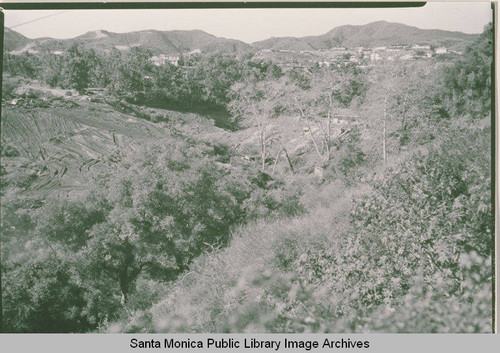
(159, 42)
(170, 42)
(375, 34)
(14, 40)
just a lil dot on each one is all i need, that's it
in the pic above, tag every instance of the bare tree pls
(257, 103)
(319, 105)
(388, 98)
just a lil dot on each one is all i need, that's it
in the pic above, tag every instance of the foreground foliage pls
(146, 220)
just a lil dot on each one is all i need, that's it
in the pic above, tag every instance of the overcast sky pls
(246, 25)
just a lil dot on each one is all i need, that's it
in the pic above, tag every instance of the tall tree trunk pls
(384, 153)
(403, 125)
(310, 132)
(289, 161)
(128, 271)
(328, 129)
(276, 160)
(263, 147)
(124, 286)
(314, 142)
(287, 158)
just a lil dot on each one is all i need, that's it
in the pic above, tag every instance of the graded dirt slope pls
(61, 147)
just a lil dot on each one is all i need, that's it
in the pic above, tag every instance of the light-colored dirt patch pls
(36, 86)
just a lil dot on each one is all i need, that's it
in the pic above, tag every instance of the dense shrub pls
(273, 199)
(141, 225)
(348, 155)
(467, 83)
(414, 255)
(423, 237)
(42, 293)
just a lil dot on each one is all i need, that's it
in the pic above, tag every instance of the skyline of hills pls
(167, 42)
(164, 42)
(380, 33)
(375, 34)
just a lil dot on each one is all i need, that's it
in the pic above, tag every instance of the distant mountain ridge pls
(372, 35)
(159, 42)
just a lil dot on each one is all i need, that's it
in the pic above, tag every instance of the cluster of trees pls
(468, 81)
(72, 265)
(203, 81)
(315, 96)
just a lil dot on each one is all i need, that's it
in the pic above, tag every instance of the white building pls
(194, 52)
(162, 59)
(421, 47)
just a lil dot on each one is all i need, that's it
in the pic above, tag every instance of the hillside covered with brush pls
(226, 194)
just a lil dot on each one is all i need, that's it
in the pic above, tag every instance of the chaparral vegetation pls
(245, 189)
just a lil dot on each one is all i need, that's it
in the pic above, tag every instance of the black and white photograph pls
(248, 170)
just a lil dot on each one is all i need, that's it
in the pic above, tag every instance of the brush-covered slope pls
(159, 42)
(13, 40)
(167, 42)
(375, 34)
